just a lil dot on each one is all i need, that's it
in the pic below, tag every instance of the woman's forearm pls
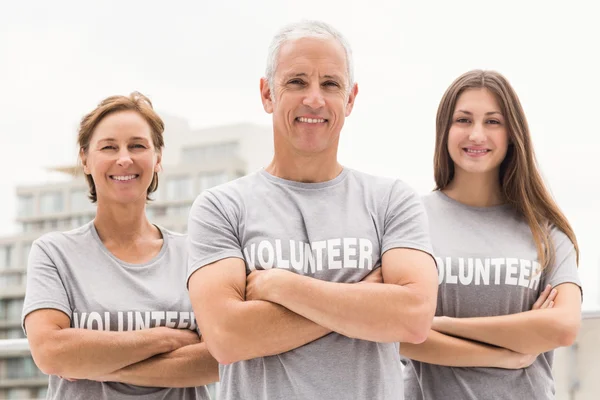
(445, 350)
(187, 366)
(85, 354)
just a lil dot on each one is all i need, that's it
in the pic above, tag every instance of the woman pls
(106, 311)
(509, 291)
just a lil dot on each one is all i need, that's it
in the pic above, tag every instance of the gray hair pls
(306, 29)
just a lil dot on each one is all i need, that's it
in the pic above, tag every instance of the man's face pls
(310, 98)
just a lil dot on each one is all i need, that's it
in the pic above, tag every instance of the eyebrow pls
(487, 113)
(114, 140)
(305, 75)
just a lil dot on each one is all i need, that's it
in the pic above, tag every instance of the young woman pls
(106, 311)
(509, 291)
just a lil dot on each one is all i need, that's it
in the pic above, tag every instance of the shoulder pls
(381, 185)
(175, 240)
(231, 192)
(58, 240)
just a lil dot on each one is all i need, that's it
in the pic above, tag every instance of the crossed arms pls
(508, 341)
(279, 310)
(160, 357)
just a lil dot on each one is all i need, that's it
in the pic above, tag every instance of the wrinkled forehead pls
(310, 56)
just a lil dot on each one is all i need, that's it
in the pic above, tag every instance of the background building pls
(193, 160)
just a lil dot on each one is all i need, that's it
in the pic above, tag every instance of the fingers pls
(542, 298)
(549, 302)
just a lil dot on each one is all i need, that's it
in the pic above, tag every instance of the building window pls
(212, 179)
(11, 280)
(178, 210)
(25, 249)
(179, 188)
(51, 202)
(17, 394)
(79, 200)
(208, 153)
(25, 206)
(21, 368)
(42, 392)
(6, 256)
(12, 309)
(12, 333)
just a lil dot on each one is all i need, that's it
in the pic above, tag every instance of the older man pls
(307, 274)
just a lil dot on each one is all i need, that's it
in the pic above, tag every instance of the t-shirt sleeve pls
(212, 235)
(406, 224)
(564, 267)
(45, 288)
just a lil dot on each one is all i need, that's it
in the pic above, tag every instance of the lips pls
(307, 120)
(124, 178)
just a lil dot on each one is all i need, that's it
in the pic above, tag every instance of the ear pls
(265, 95)
(158, 166)
(83, 158)
(351, 98)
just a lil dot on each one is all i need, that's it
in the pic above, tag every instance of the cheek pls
(454, 138)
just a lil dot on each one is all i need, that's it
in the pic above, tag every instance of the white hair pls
(301, 30)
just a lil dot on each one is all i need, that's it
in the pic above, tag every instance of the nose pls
(124, 158)
(477, 134)
(314, 97)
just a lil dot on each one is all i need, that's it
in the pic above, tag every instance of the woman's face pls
(121, 158)
(478, 137)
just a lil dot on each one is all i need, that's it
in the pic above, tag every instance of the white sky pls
(202, 60)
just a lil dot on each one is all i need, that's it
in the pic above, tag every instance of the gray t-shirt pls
(335, 231)
(487, 266)
(74, 272)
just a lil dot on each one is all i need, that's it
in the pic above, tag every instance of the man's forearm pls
(259, 328)
(187, 366)
(377, 312)
(441, 349)
(530, 332)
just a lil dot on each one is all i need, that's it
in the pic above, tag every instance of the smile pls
(123, 178)
(476, 152)
(311, 120)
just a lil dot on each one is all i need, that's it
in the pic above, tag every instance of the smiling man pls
(307, 274)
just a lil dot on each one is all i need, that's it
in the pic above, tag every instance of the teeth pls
(310, 120)
(123, 177)
(476, 151)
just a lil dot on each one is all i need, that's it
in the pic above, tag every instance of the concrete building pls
(193, 160)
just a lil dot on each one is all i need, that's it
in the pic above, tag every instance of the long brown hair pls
(134, 102)
(521, 182)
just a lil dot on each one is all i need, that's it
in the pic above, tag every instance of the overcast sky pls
(202, 61)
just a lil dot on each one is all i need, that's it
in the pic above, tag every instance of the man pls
(307, 230)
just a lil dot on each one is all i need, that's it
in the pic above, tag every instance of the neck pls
(309, 168)
(122, 224)
(477, 190)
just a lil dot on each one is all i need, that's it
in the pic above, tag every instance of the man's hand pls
(376, 276)
(546, 299)
(260, 283)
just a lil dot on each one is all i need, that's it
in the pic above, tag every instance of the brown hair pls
(521, 182)
(134, 102)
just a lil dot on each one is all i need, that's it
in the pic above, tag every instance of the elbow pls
(419, 323)
(47, 359)
(568, 332)
(222, 345)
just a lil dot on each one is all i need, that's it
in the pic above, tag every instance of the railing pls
(13, 347)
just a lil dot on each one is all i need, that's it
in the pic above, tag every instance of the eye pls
(493, 122)
(462, 120)
(296, 82)
(331, 84)
(108, 148)
(138, 146)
